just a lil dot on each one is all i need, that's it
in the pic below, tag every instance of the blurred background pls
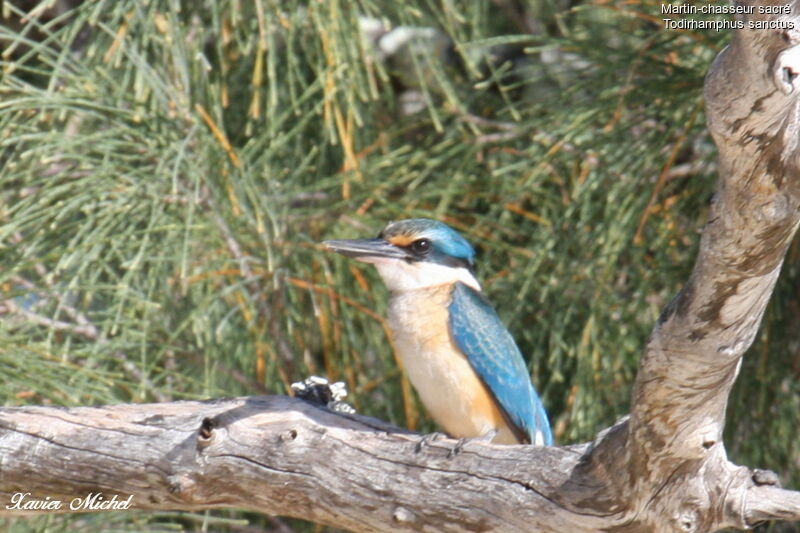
(168, 169)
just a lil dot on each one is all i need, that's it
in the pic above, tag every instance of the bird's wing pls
(492, 352)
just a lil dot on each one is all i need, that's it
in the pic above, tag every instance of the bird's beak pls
(367, 250)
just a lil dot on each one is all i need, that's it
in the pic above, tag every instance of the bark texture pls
(663, 469)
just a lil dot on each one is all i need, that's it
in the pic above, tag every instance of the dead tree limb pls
(283, 456)
(276, 455)
(663, 469)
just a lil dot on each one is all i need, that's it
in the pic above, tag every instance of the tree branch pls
(694, 353)
(284, 456)
(772, 503)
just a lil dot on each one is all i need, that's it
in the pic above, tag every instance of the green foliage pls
(168, 170)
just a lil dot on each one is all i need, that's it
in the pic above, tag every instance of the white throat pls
(400, 276)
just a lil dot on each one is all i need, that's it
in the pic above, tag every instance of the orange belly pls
(452, 392)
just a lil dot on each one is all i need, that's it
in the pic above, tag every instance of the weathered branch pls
(277, 455)
(772, 503)
(283, 456)
(662, 470)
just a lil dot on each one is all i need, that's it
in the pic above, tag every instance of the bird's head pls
(414, 253)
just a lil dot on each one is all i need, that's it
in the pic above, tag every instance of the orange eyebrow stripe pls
(401, 240)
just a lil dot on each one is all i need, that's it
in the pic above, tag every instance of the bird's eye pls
(421, 246)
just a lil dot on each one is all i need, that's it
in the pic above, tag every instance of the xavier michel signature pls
(94, 501)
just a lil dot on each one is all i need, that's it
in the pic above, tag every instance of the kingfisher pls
(458, 355)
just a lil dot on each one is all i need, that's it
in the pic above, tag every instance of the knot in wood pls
(181, 485)
(687, 522)
(786, 69)
(206, 427)
(287, 436)
(401, 515)
(206, 433)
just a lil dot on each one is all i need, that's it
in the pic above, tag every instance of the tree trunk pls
(663, 469)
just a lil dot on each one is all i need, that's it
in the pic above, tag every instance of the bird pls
(453, 346)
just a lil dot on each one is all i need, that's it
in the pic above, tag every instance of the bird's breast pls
(443, 377)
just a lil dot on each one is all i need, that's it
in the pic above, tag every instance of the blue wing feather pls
(492, 352)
